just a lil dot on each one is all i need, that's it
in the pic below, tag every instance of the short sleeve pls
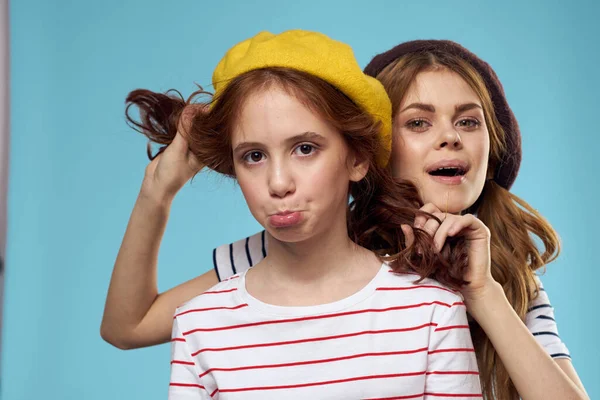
(185, 383)
(541, 323)
(452, 366)
(236, 257)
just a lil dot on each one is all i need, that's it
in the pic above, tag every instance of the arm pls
(135, 315)
(535, 374)
(541, 323)
(185, 382)
(452, 365)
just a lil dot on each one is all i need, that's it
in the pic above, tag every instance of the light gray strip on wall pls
(4, 135)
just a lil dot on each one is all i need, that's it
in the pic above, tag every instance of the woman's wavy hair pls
(512, 222)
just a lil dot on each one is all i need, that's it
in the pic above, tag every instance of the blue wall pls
(75, 167)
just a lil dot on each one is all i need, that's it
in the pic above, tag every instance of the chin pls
(453, 201)
(293, 234)
(451, 207)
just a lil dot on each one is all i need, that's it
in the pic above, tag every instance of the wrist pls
(486, 302)
(151, 194)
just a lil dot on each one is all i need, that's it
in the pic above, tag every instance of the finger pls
(409, 235)
(471, 227)
(187, 116)
(432, 225)
(459, 225)
(444, 231)
(420, 220)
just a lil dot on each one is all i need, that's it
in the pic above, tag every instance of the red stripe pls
(300, 385)
(447, 328)
(453, 373)
(457, 350)
(326, 360)
(186, 385)
(182, 362)
(250, 346)
(178, 340)
(221, 291)
(417, 287)
(410, 396)
(454, 395)
(316, 317)
(229, 279)
(214, 392)
(195, 310)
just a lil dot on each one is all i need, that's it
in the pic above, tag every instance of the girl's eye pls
(253, 157)
(468, 123)
(305, 149)
(418, 125)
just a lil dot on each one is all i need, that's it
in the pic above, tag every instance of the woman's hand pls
(175, 165)
(477, 237)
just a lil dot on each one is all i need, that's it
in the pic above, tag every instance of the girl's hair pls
(379, 203)
(510, 220)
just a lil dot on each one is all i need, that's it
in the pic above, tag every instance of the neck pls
(323, 256)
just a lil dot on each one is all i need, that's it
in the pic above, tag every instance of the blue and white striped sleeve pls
(236, 257)
(541, 323)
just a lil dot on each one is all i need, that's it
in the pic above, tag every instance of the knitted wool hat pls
(320, 56)
(506, 171)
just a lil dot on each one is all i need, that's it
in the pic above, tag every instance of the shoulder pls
(425, 301)
(222, 295)
(427, 290)
(232, 258)
(540, 299)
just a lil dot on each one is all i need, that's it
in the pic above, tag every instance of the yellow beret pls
(318, 55)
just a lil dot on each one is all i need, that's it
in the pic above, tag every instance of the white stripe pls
(223, 264)
(255, 246)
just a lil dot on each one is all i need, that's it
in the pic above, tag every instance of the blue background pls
(75, 167)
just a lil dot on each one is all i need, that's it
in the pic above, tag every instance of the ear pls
(357, 167)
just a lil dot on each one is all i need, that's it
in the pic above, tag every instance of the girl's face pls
(293, 168)
(441, 142)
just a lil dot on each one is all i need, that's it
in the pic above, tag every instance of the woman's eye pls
(253, 157)
(468, 123)
(418, 125)
(305, 149)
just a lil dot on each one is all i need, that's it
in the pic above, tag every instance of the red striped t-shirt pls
(393, 339)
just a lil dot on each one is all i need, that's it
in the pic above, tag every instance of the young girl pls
(301, 128)
(449, 114)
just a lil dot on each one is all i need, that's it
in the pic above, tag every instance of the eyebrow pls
(294, 139)
(466, 107)
(420, 106)
(430, 108)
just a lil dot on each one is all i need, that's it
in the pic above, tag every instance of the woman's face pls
(441, 142)
(293, 167)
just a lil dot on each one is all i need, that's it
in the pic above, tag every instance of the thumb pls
(187, 116)
(179, 144)
(409, 236)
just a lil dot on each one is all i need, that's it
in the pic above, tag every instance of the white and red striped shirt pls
(393, 339)
(233, 258)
